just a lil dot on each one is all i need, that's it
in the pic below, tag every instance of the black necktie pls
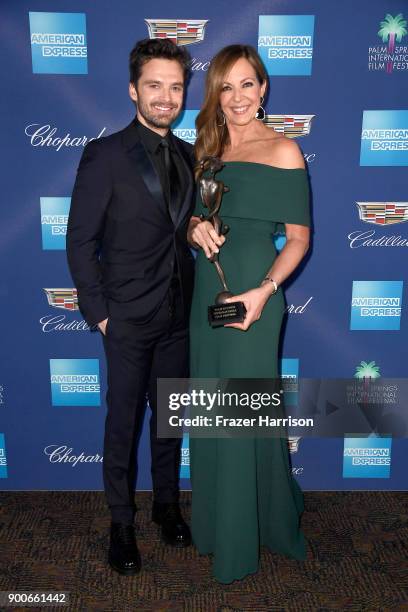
(172, 181)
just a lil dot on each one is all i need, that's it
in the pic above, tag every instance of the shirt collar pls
(150, 139)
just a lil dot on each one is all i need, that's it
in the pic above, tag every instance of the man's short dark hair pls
(157, 48)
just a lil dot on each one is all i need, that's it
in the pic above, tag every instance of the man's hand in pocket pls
(102, 326)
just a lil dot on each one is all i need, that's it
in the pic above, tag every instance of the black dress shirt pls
(152, 144)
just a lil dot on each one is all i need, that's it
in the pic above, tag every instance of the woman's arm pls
(285, 154)
(297, 244)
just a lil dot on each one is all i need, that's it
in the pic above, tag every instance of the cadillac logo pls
(180, 31)
(293, 442)
(383, 213)
(291, 126)
(62, 298)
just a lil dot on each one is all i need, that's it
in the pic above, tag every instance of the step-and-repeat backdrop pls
(338, 85)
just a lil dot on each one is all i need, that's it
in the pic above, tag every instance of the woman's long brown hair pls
(212, 133)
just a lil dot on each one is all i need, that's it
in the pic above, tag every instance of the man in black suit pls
(131, 264)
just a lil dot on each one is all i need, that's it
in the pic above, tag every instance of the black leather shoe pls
(124, 556)
(174, 530)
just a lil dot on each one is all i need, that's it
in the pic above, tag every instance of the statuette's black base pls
(220, 314)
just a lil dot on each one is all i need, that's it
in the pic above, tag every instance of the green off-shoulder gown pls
(244, 494)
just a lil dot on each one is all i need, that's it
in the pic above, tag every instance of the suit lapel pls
(145, 167)
(149, 175)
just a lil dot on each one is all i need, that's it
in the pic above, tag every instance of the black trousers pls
(136, 356)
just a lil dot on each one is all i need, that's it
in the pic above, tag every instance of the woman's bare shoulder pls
(282, 152)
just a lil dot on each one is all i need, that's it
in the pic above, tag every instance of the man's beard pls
(156, 118)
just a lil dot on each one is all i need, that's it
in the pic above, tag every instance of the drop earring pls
(260, 113)
(223, 117)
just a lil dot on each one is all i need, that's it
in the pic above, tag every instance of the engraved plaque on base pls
(220, 314)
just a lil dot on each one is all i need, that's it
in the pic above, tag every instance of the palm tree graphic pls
(367, 370)
(392, 29)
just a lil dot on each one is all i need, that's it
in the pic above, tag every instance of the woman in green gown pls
(244, 494)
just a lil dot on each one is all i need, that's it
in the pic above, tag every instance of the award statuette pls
(211, 191)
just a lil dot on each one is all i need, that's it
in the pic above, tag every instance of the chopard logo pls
(298, 308)
(45, 136)
(63, 454)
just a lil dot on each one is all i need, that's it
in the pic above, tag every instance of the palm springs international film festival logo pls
(367, 369)
(75, 382)
(285, 44)
(384, 138)
(58, 43)
(373, 391)
(384, 215)
(376, 305)
(389, 56)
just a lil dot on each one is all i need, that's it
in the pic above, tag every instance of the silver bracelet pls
(274, 283)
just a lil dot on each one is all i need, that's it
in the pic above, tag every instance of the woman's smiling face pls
(241, 93)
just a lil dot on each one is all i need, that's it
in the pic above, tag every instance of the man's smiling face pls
(158, 93)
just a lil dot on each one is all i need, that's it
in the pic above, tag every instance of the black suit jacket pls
(121, 242)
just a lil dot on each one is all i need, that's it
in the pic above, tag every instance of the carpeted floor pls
(357, 558)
